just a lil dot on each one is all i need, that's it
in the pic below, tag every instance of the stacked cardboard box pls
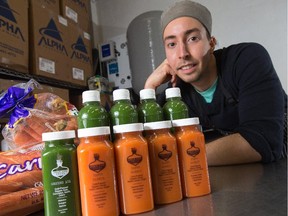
(79, 12)
(49, 55)
(14, 35)
(57, 47)
(80, 54)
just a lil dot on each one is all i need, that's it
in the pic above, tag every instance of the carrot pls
(28, 200)
(22, 138)
(8, 187)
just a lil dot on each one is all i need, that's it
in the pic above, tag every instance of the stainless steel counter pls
(252, 189)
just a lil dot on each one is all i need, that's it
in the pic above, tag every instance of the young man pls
(235, 91)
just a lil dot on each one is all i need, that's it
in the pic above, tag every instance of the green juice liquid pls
(150, 111)
(123, 112)
(60, 178)
(174, 109)
(93, 115)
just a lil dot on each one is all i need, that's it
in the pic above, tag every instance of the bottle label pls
(196, 168)
(61, 189)
(60, 171)
(134, 158)
(97, 165)
(193, 150)
(165, 154)
(137, 175)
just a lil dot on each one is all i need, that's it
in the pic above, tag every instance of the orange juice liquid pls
(193, 162)
(164, 166)
(133, 173)
(97, 177)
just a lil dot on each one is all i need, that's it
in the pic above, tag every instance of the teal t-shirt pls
(208, 94)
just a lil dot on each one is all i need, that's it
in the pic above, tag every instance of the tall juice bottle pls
(60, 174)
(92, 114)
(164, 162)
(122, 111)
(97, 172)
(192, 157)
(133, 170)
(148, 109)
(174, 108)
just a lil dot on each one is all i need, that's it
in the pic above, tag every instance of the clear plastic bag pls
(30, 115)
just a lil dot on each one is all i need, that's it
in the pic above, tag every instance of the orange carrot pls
(20, 202)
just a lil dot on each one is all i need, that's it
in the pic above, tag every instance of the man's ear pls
(213, 43)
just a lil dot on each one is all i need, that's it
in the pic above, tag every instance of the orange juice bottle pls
(133, 171)
(164, 162)
(192, 157)
(97, 172)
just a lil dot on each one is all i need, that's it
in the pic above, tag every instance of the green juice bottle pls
(60, 174)
(93, 114)
(174, 108)
(148, 109)
(123, 111)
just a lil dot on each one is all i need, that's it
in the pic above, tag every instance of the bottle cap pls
(90, 95)
(121, 94)
(157, 125)
(185, 122)
(147, 94)
(128, 128)
(172, 92)
(58, 135)
(94, 131)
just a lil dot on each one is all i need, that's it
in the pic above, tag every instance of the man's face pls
(188, 50)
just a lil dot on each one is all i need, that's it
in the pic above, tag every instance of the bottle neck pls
(93, 139)
(124, 101)
(158, 131)
(187, 128)
(58, 143)
(126, 135)
(91, 103)
(148, 100)
(174, 99)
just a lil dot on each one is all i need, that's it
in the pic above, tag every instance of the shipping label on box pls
(81, 7)
(78, 11)
(14, 34)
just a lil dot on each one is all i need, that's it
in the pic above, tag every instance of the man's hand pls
(162, 74)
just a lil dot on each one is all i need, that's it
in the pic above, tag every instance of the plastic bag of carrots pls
(30, 115)
(33, 114)
(21, 188)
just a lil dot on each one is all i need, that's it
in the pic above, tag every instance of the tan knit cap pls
(187, 8)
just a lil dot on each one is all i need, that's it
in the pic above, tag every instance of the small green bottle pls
(123, 111)
(60, 174)
(174, 108)
(148, 109)
(93, 114)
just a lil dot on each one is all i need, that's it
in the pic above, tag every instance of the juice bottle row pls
(123, 112)
(121, 164)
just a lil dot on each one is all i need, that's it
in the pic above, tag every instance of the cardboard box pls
(53, 5)
(79, 12)
(14, 35)
(80, 54)
(49, 56)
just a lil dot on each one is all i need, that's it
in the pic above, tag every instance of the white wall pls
(262, 21)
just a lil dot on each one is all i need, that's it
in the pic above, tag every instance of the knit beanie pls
(187, 8)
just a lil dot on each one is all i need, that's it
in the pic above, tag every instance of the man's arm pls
(231, 149)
